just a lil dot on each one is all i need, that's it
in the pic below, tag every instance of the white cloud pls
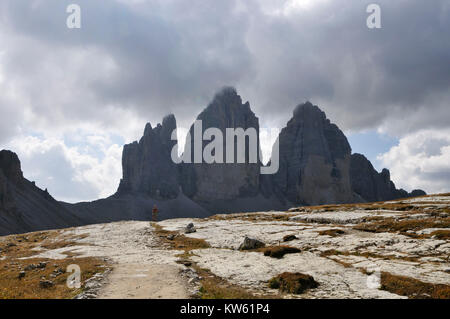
(77, 173)
(421, 160)
(86, 92)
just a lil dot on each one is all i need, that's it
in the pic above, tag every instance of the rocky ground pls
(397, 249)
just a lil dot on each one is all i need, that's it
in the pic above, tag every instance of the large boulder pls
(314, 158)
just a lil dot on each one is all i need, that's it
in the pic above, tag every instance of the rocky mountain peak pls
(314, 159)
(373, 186)
(308, 110)
(147, 166)
(226, 101)
(223, 181)
(148, 129)
(10, 166)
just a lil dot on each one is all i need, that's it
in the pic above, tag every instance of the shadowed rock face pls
(147, 165)
(314, 159)
(25, 207)
(373, 186)
(315, 167)
(10, 166)
(10, 174)
(209, 182)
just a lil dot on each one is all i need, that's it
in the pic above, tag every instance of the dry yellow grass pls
(441, 234)
(413, 288)
(27, 286)
(179, 241)
(333, 252)
(294, 283)
(402, 226)
(278, 251)
(332, 232)
(214, 287)
(253, 217)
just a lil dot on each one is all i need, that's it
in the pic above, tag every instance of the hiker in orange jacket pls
(154, 213)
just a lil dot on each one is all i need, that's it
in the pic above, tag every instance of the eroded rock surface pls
(395, 237)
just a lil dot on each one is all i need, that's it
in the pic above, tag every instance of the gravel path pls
(141, 269)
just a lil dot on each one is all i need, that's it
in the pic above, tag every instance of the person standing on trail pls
(154, 213)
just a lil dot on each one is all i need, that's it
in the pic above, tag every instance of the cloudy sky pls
(70, 98)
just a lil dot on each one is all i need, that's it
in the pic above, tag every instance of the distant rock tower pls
(314, 159)
(148, 167)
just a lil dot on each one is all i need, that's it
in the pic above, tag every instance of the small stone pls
(171, 237)
(21, 274)
(289, 238)
(185, 262)
(30, 267)
(57, 272)
(46, 284)
(42, 265)
(190, 228)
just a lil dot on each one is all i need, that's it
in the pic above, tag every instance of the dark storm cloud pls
(155, 57)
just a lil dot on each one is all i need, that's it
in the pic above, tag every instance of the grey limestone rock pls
(373, 186)
(147, 165)
(314, 159)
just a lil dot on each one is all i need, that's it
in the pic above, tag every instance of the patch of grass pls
(413, 288)
(332, 232)
(27, 287)
(333, 252)
(294, 283)
(402, 226)
(179, 241)
(441, 234)
(252, 217)
(279, 251)
(214, 287)
(20, 278)
(397, 206)
(62, 242)
(18, 246)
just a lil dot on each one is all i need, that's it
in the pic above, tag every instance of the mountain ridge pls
(316, 167)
